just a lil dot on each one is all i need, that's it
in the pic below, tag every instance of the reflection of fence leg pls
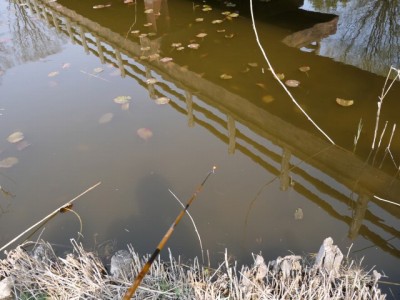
(69, 30)
(45, 16)
(150, 87)
(99, 49)
(285, 169)
(55, 22)
(231, 134)
(189, 108)
(83, 38)
(120, 63)
(358, 216)
(37, 11)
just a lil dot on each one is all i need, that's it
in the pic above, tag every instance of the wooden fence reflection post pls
(231, 134)
(285, 169)
(55, 21)
(69, 30)
(83, 38)
(99, 49)
(189, 108)
(358, 215)
(120, 62)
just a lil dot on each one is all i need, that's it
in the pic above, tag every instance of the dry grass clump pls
(40, 274)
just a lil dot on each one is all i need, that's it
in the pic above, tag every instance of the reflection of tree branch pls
(31, 39)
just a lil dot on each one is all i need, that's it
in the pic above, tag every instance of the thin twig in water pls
(194, 225)
(384, 200)
(357, 136)
(280, 82)
(133, 24)
(387, 150)
(68, 204)
(98, 77)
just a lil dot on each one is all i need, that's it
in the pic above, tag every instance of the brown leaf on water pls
(149, 11)
(201, 35)
(66, 66)
(53, 74)
(261, 85)
(162, 100)
(229, 36)
(233, 15)
(292, 83)
(15, 137)
(280, 76)
(106, 118)
(144, 133)
(267, 99)
(253, 64)
(216, 22)
(147, 24)
(304, 69)
(199, 19)
(166, 59)
(122, 99)
(193, 46)
(344, 102)
(8, 162)
(225, 76)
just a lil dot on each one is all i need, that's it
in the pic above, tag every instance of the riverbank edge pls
(33, 271)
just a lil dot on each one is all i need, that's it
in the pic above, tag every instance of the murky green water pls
(63, 63)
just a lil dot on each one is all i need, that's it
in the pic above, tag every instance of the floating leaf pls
(144, 133)
(233, 15)
(304, 69)
(180, 48)
(298, 214)
(267, 99)
(226, 13)
(201, 35)
(154, 56)
(176, 45)
(147, 24)
(253, 64)
(8, 162)
(166, 59)
(280, 76)
(66, 66)
(194, 46)
(99, 6)
(98, 70)
(207, 9)
(15, 137)
(292, 83)
(261, 85)
(128, 1)
(221, 30)
(225, 76)
(122, 99)
(145, 48)
(149, 11)
(142, 35)
(216, 22)
(135, 31)
(151, 81)
(106, 118)
(199, 19)
(344, 102)
(53, 74)
(162, 100)
(152, 34)
(229, 36)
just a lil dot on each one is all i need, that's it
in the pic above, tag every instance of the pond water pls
(201, 94)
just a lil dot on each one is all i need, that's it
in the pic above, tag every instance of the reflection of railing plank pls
(336, 162)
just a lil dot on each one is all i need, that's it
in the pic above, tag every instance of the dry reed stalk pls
(40, 274)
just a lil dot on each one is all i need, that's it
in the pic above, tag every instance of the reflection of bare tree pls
(30, 39)
(369, 35)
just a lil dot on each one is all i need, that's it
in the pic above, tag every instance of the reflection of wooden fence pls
(268, 140)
